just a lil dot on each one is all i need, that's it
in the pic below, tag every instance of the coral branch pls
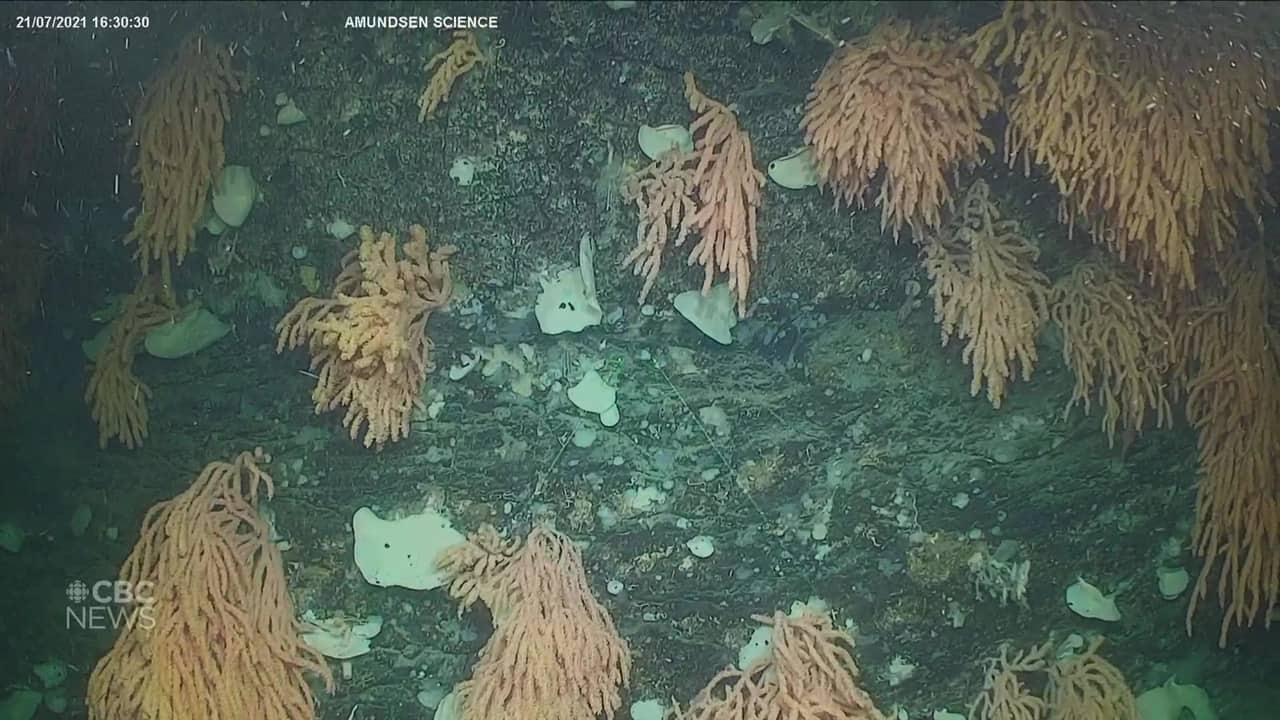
(713, 191)
(554, 653)
(809, 674)
(117, 398)
(1150, 118)
(213, 633)
(986, 291)
(369, 343)
(1230, 352)
(178, 130)
(898, 114)
(449, 64)
(728, 186)
(1118, 343)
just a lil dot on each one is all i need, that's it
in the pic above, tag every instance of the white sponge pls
(402, 553)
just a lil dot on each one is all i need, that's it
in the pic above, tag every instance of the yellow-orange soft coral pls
(117, 398)
(1230, 353)
(1151, 119)
(1118, 343)
(712, 191)
(448, 65)
(897, 114)
(987, 292)
(1082, 686)
(213, 633)
(809, 674)
(178, 130)
(554, 653)
(369, 344)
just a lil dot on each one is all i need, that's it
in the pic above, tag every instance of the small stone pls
(702, 546)
(584, 437)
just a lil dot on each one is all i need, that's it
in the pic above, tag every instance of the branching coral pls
(369, 344)
(898, 114)
(214, 634)
(712, 192)
(728, 195)
(1005, 695)
(1117, 341)
(987, 292)
(178, 130)
(116, 397)
(1150, 118)
(554, 653)
(1081, 686)
(664, 193)
(809, 674)
(1230, 360)
(446, 67)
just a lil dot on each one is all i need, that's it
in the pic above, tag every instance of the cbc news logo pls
(110, 605)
